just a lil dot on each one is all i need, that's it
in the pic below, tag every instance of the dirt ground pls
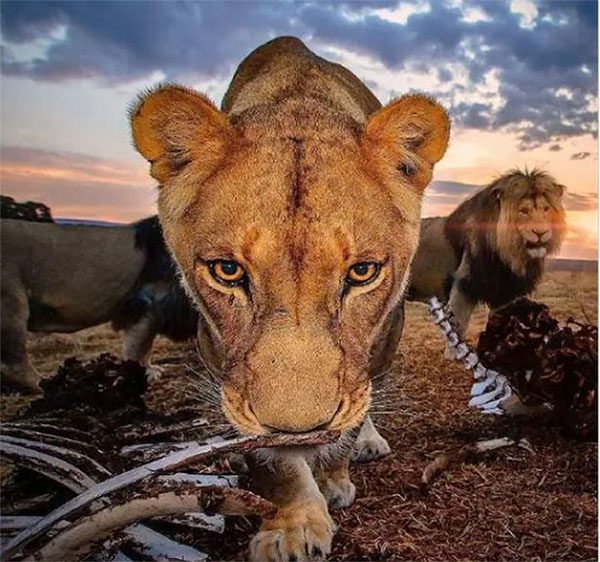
(512, 504)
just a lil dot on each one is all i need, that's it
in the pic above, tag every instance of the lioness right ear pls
(408, 137)
(173, 126)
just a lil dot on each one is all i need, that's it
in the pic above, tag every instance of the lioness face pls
(296, 269)
(296, 250)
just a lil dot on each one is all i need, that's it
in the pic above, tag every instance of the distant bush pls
(28, 211)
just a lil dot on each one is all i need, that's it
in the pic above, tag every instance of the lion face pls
(295, 247)
(535, 224)
(531, 223)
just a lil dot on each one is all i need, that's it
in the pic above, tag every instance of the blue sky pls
(518, 77)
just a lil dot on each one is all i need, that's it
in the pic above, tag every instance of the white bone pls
(479, 388)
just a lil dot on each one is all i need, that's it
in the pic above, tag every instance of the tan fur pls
(63, 278)
(296, 181)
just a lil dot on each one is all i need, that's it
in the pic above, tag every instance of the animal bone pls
(71, 477)
(193, 453)
(51, 467)
(83, 462)
(16, 430)
(166, 499)
(491, 392)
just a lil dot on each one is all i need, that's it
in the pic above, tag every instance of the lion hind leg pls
(462, 306)
(302, 529)
(137, 345)
(15, 367)
(370, 445)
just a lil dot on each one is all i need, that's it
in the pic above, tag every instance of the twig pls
(443, 461)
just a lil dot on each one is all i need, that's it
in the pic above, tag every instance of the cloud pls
(447, 195)
(580, 155)
(531, 69)
(440, 187)
(76, 185)
(442, 197)
(581, 201)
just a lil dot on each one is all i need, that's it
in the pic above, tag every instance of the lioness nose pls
(294, 384)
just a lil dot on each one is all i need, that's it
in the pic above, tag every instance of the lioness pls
(293, 214)
(493, 247)
(63, 278)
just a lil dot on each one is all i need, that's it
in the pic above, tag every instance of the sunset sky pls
(519, 79)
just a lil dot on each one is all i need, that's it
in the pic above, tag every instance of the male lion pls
(293, 214)
(493, 247)
(63, 278)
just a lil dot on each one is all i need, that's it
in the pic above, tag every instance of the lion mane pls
(484, 226)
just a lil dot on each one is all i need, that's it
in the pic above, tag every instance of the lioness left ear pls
(408, 136)
(173, 126)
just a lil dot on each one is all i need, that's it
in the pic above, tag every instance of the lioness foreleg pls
(302, 529)
(334, 482)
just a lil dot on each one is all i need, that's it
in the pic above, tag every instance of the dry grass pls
(508, 505)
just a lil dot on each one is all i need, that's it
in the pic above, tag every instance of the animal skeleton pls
(153, 490)
(491, 391)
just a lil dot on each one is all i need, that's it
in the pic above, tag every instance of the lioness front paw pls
(298, 532)
(370, 448)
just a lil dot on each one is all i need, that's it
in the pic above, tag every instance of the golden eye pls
(524, 212)
(363, 272)
(227, 272)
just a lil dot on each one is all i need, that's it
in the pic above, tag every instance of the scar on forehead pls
(250, 238)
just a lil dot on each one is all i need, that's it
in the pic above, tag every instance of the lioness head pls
(531, 222)
(294, 231)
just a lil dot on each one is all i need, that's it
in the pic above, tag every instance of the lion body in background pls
(299, 178)
(64, 278)
(493, 247)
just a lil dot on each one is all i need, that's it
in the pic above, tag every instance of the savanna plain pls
(536, 503)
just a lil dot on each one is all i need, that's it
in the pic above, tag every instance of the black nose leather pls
(290, 431)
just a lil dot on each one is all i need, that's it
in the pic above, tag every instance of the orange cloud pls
(78, 186)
